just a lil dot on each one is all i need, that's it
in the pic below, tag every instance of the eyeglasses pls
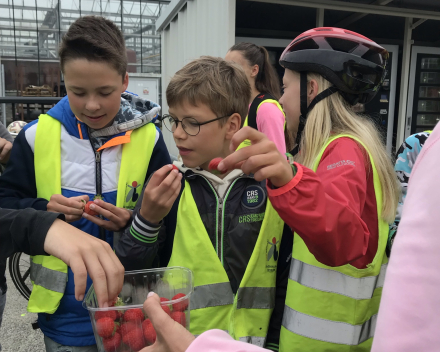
(189, 124)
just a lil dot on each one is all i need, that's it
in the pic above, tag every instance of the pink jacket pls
(409, 315)
(220, 341)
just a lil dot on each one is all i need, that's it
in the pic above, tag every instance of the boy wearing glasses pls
(221, 226)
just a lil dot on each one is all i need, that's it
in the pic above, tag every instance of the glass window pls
(430, 63)
(428, 120)
(430, 77)
(428, 106)
(429, 92)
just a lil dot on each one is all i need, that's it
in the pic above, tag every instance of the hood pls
(134, 112)
(220, 184)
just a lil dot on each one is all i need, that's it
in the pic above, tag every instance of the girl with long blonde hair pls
(338, 193)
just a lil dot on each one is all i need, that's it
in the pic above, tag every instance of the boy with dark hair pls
(221, 226)
(95, 144)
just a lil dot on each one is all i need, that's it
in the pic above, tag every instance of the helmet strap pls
(306, 109)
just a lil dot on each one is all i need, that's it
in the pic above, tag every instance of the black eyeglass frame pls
(177, 121)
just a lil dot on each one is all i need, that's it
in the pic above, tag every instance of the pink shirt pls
(409, 315)
(220, 341)
(270, 121)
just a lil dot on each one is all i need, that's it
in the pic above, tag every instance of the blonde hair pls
(334, 116)
(221, 85)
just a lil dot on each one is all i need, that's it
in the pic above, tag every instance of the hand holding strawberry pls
(170, 334)
(262, 158)
(117, 217)
(72, 208)
(160, 193)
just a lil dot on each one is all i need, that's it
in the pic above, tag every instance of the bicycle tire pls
(19, 278)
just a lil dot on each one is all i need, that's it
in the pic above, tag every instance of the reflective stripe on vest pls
(333, 281)
(255, 340)
(247, 142)
(51, 279)
(49, 274)
(327, 330)
(334, 308)
(221, 294)
(213, 305)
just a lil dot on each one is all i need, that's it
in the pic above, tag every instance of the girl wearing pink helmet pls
(338, 194)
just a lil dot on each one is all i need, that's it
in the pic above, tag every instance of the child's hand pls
(72, 208)
(117, 217)
(86, 254)
(262, 158)
(160, 194)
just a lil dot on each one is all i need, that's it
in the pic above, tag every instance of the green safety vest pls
(247, 142)
(245, 315)
(48, 273)
(334, 308)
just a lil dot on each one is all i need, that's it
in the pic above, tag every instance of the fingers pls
(154, 311)
(79, 276)
(5, 150)
(264, 146)
(246, 133)
(117, 217)
(160, 175)
(114, 274)
(105, 224)
(69, 206)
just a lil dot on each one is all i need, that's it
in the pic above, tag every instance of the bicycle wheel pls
(20, 269)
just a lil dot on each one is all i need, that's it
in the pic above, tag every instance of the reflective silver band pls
(212, 296)
(50, 279)
(255, 340)
(327, 330)
(256, 297)
(328, 280)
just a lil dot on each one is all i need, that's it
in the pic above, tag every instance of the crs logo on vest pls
(132, 196)
(253, 197)
(272, 254)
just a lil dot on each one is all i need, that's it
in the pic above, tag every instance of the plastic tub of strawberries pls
(124, 327)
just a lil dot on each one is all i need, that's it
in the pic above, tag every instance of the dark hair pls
(94, 38)
(212, 81)
(267, 80)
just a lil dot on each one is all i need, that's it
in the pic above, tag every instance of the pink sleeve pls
(220, 341)
(270, 121)
(409, 318)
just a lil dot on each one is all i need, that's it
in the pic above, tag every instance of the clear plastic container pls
(125, 327)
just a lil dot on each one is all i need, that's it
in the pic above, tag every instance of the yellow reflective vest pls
(246, 314)
(49, 274)
(334, 308)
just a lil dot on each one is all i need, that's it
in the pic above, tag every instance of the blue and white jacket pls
(70, 324)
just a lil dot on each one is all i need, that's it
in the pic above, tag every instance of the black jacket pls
(242, 223)
(23, 231)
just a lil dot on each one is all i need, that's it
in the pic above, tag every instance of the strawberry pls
(88, 210)
(112, 343)
(109, 314)
(149, 332)
(105, 327)
(127, 327)
(135, 339)
(180, 306)
(166, 308)
(134, 314)
(213, 166)
(179, 317)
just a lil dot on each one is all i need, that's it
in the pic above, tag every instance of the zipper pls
(98, 182)
(220, 219)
